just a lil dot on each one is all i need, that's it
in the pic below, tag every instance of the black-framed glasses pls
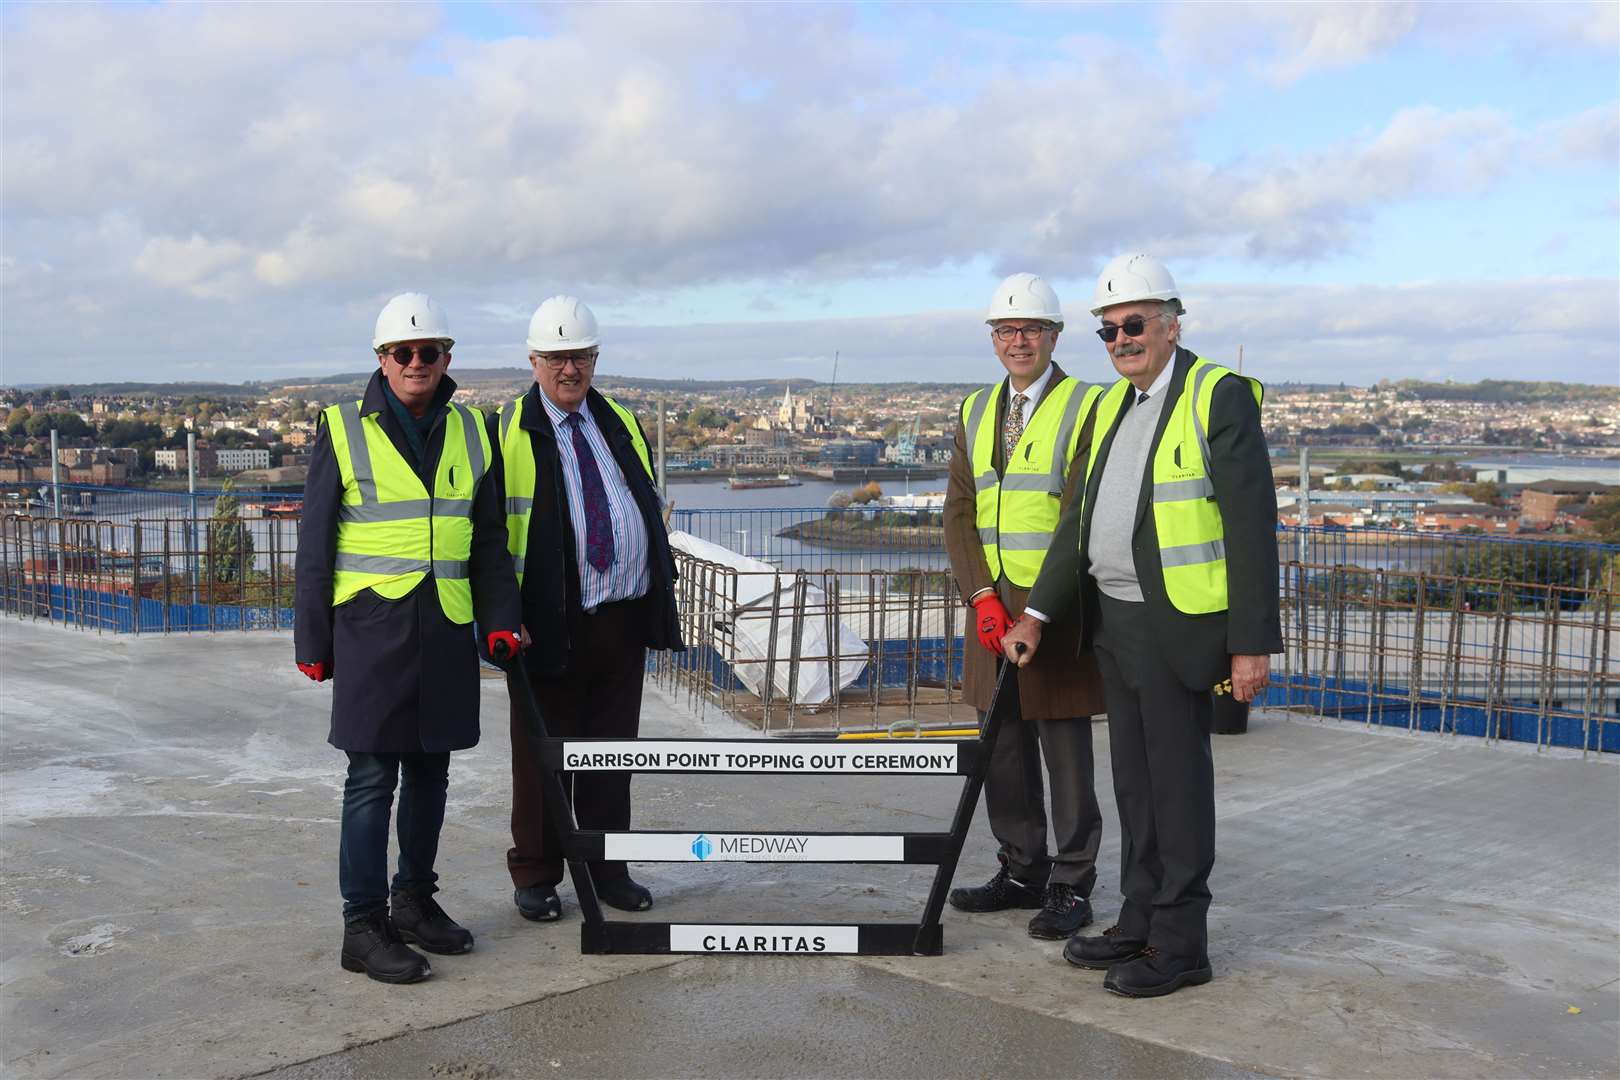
(1008, 333)
(1133, 327)
(429, 354)
(556, 362)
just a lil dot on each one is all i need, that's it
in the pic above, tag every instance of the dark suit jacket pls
(1199, 647)
(551, 608)
(1052, 687)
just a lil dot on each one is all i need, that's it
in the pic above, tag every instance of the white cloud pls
(204, 268)
(1286, 41)
(313, 167)
(206, 172)
(1589, 138)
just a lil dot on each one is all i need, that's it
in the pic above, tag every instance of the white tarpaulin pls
(748, 617)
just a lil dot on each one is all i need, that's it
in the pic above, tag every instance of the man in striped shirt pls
(586, 532)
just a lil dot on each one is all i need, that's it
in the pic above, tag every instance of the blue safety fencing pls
(120, 613)
(125, 503)
(1510, 721)
(1480, 623)
(1343, 699)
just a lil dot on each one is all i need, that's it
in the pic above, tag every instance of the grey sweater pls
(1113, 518)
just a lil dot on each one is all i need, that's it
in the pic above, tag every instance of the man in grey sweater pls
(1170, 565)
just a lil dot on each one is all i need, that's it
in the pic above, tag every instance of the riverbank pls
(864, 531)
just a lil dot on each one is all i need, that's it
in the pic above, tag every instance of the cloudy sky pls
(1349, 191)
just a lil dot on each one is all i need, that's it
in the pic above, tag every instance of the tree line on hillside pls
(1499, 391)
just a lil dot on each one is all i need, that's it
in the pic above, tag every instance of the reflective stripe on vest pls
(1186, 518)
(1017, 511)
(391, 532)
(517, 462)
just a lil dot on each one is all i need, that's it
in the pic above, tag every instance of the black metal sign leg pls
(1003, 703)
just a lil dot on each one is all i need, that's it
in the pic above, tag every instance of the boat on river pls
(749, 483)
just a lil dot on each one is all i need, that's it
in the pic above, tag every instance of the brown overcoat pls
(1061, 682)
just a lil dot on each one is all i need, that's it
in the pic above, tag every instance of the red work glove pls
(319, 671)
(993, 621)
(502, 645)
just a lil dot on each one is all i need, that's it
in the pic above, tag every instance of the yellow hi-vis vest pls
(517, 462)
(1192, 538)
(1017, 511)
(391, 531)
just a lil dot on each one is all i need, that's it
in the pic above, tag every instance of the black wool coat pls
(405, 678)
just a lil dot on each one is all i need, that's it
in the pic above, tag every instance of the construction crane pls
(906, 451)
(830, 389)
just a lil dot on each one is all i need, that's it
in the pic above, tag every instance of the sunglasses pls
(1133, 327)
(428, 354)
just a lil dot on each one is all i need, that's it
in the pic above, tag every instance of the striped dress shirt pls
(627, 576)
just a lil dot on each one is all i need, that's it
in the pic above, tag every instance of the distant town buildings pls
(841, 453)
(1463, 454)
(232, 461)
(1534, 468)
(211, 461)
(791, 415)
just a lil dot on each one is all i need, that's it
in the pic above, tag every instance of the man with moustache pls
(1170, 565)
(1013, 470)
(402, 546)
(586, 533)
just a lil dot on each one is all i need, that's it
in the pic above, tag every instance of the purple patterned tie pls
(598, 522)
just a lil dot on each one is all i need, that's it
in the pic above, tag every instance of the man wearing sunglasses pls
(1170, 565)
(402, 548)
(586, 532)
(1013, 470)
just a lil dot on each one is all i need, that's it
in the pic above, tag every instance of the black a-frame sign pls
(968, 759)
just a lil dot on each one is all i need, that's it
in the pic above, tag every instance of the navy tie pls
(598, 520)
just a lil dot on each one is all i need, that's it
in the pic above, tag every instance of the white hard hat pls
(1129, 278)
(411, 316)
(1025, 296)
(562, 323)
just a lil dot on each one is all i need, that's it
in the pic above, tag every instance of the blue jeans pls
(368, 798)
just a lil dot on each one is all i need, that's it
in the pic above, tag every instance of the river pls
(748, 521)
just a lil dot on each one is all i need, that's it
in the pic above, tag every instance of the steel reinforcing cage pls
(1496, 638)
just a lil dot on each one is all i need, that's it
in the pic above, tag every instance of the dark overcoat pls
(1061, 682)
(405, 678)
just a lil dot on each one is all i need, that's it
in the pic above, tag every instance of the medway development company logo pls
(753, 847)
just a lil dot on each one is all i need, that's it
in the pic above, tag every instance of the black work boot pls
(1153, 974)
(1102, 951)
(421, 921)
(998, 894)
(372, 945)
(1062, 913)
